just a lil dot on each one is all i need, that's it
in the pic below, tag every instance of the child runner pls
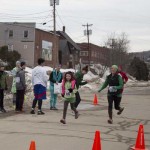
(68, 92)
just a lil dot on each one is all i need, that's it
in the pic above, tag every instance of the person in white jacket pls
(39, 81)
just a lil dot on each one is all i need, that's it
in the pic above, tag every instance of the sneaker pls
(3, 110)
(110, 121)
(32, 112)
(51, 108)
(76, 115)
(40, 112)
(120, 111)
(54, 108)
(62, 121)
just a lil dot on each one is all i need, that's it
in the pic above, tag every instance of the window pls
(10, 47)
(25, 46)
(25, 34)
(84, 53)
(10, 33)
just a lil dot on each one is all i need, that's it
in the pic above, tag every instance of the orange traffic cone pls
(32, 146)
(140, 142)
(95, 101)
(97, 143)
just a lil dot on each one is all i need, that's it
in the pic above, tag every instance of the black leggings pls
(78, 99)
(39, 103)
(116, 100)
(1, 98)
(66, 106)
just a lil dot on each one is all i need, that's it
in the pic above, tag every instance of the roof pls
(65, 35)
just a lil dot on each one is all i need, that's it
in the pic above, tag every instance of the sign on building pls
(47, 50)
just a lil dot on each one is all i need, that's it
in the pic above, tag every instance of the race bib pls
(67, 93)
(112, 89)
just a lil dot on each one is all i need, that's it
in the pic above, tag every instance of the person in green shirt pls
(115, 83)
(3, 86)
(79, 82)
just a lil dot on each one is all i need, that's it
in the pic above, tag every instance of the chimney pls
(63, 28)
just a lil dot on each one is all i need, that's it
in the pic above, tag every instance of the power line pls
(62, 22)
(25, 14)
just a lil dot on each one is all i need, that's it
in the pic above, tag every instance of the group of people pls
(70, 85)
(18, 86)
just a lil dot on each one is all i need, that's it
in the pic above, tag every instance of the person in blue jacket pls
(55, 78)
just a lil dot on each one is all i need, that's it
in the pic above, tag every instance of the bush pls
(138, 69)
(9, 56)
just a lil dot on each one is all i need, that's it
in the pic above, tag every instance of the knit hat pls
(17, 62)
(115, 67)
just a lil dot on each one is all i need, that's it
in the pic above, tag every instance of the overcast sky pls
(107, 16)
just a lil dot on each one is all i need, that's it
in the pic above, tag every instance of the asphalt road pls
(17, 130)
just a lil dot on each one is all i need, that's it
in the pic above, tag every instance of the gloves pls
(70, 90)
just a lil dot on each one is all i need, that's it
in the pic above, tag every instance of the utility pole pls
(87, 33)
(54, 3)
(112, 45)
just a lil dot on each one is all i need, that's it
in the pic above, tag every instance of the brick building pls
(30, 42)
(94, 54)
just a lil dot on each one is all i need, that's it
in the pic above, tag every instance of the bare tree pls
(119, 46)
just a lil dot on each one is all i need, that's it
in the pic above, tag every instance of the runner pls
(115, 83)
(68, 92)
(79, 82)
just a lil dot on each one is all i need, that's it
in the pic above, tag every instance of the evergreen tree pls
(9, 56)
(138, 69)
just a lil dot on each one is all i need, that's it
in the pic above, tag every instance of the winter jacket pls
(20, 80)
(55, 76)
(3, 80)
(124, 76)
(79, 79)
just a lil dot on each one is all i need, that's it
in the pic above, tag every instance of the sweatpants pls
(19, 100)
(66, 107)
(1, 98)
(78, 99)
(53, 99)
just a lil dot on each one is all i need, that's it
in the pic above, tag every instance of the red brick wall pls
(46, 36)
